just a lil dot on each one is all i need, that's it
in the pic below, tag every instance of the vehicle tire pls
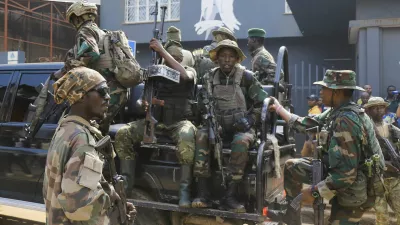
(147, 216)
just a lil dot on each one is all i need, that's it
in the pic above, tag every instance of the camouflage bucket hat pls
(376, 101)
(75, 84)
(227, 44)
(339, 79)
(224, 31)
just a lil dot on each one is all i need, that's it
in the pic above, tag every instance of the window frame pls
(150, 18)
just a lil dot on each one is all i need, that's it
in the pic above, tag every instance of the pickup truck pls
(157, 184)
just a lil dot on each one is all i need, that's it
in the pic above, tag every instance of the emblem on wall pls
(209, 20)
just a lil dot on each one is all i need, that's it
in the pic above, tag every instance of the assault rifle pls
(104, 147)
(391, 150)
(149, 92)
(214, 138)
(317, 173)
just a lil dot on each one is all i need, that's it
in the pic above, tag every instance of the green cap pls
(339, 79)
(174, 34)
(256, 32)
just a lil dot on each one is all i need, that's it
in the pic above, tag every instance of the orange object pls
(156, 101)
(265, 211)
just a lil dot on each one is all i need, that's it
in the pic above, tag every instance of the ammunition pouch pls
(228, 119)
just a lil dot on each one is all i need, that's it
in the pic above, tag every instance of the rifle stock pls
(104, 146)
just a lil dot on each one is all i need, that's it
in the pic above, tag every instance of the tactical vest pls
(363, 191)
(230, 102)
(177, 101)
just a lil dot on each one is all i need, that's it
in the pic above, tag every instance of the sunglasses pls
(103, 91)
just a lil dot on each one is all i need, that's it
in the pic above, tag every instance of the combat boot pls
(203, 194)
(128, 172)
(230, 199)
(184, 191)
(290, 216)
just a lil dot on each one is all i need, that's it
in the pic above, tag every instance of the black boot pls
(230, 200)
(184, 191)
(128, 172)
(203, 194)
(290, 216)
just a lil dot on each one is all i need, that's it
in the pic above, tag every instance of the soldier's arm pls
(88, 49)
(344, 154)
(256, 93)
(266, 70)
(82, 196)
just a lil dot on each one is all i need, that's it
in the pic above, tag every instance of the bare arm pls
(170, 61)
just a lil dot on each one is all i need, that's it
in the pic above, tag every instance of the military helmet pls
(339, 79)
(80, 8)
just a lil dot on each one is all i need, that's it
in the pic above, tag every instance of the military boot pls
(203, 194)
(184, 191)
(230, 199)
(128, 172)
(290, 216)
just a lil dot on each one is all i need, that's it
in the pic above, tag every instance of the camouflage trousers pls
(182, 133)
(391, 198)
(298, 172)
(238, 160)
(118, 98)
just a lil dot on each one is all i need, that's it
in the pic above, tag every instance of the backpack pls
(119, 59)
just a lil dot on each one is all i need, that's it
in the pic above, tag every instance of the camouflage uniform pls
(262, 61)
(391, 179)
(347, 133)
(74, 188)
(234, 96)
(89, 52)
(173, 121)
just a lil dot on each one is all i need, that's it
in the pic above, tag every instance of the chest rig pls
(230, 102)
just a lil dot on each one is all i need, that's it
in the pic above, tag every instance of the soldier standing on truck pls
(376, 108)
(74, 188)
(238, 98)
(203, 63)
(95, 49)
(348, 144)
(262, 61)
(172, 120)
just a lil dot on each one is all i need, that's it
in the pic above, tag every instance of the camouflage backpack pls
(118, 58)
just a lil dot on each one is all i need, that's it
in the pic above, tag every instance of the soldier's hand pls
(145, 105)
(307, 198)
(390, 167)
(156, 45)
(131, 211)
(275, 105)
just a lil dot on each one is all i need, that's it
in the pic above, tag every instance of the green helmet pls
(81, 8)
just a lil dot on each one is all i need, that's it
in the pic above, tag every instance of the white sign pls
(12, 57)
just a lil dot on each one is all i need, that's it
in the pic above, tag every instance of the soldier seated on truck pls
(172, 120)
(238, 100)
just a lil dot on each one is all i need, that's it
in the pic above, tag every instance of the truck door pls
(24, 159)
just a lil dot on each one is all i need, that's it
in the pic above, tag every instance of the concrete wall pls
(267, 14)
(378, 51)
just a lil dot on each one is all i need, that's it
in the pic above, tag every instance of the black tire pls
(147, 216)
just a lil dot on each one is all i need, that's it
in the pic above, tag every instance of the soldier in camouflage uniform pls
(88, 51)
(348, 139)
(202, 58)
(74, 188)
(172, 120)
(376, 109)
(262, 61)
(238, 99)
(174, 38)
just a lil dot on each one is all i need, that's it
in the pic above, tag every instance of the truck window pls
(4, 80)
(26, 94)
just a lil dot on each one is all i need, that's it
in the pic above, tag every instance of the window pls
(287, 8)
(137, 11)
(4, 80)
(26, 94)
